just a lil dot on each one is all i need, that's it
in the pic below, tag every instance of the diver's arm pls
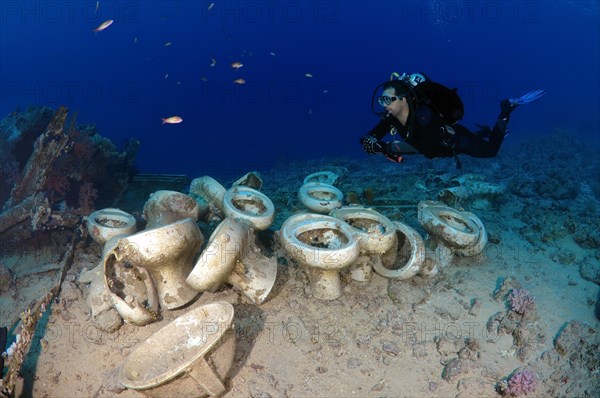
(371, 142)
(381, 129)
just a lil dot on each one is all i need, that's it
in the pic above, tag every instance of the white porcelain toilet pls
(107, 223)
(376, 235)
(167, 253)
(454, 231)
(324, 246)
(249, 205)
(231, 256)
(319, 197)
(166, 207)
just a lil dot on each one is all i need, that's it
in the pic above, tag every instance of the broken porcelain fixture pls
(107, 223)
(131, 289)
(320, 197)
(376, 234)
(323, 177)
(251, 179)
(249, 205)
(470, 190)
(408, 256)
(98, 297)
(233, 257)
(324, 246)
(190, 357)
(167, 253)
(460, 232)
(166, 207)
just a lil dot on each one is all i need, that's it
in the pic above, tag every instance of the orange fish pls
(103, 25)
(239, 81)
(237, 65)
(172, 120)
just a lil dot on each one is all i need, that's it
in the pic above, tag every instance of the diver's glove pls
(371, 145)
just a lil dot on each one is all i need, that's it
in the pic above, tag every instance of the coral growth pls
(521, 301)
(521, 382)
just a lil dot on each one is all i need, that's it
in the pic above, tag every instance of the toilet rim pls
(384, 241)
(309, 187)
(112, 213)
(415, 261)
(433, 219)
(325, 177)
(320, 205)
(481, 241)
(301, 223)
(260, 221)
(197, 316)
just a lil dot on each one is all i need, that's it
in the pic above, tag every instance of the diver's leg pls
(473, 144)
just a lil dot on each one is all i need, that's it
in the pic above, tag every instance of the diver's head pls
(394, 100)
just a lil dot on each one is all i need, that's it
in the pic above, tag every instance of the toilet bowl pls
(324, 246)
(167, 253)
(324, 177)
(166, 207)
(107, 223)
(448, 225)
(232, 257)
(376, 234)
(481, 241)
(130, 288)
(249, 205)
(190, 357)
(409, 261)
(454, 232)
(319, 197)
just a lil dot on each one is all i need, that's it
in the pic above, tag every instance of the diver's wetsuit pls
(433, 138)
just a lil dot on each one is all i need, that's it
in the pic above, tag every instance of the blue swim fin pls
(527, 98)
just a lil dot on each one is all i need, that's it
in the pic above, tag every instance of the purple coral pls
(521, 382)
(521, 301)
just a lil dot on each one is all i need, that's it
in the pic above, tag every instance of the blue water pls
(117, 78)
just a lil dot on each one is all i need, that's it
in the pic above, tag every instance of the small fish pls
(213, 62)
(168, 43)
(237, 65)
(166, 75)
(210, 6)
(135, 40)
(171, 120)
(272, 53)
(178, 83)
(97, 6)
(239, 81)
(204, 78)
(103, 25)
(308, 75)
(325, 91)
(310, 111)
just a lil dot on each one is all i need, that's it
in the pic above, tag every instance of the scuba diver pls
(424, 115)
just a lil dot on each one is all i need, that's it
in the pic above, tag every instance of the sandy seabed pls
(433, 337)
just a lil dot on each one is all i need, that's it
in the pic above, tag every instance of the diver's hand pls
(371, 145)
